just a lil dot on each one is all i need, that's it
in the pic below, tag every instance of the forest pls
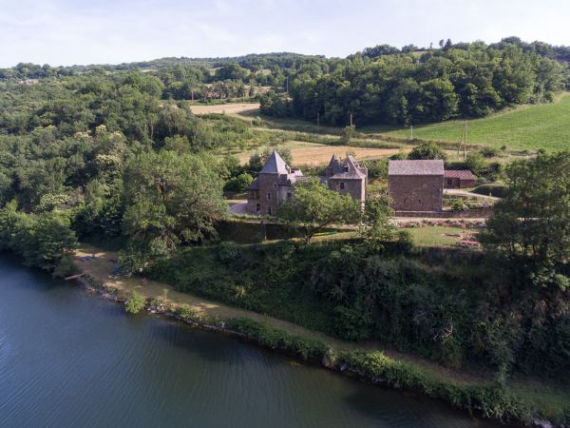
(383, 85)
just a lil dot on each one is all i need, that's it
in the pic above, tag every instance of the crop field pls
(228, 108)
(529, 127)
(312, 154)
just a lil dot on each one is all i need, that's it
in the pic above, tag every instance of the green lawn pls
(530, 127)
(437, 236)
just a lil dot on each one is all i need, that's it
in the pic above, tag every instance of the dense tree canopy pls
(531, 224)
(171, 200)
(384, 85)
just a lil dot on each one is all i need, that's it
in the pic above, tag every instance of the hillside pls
(529, 127)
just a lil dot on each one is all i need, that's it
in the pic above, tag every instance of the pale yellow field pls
(311, 154)
(230, 108)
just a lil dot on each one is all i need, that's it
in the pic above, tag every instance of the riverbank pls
(477, 395)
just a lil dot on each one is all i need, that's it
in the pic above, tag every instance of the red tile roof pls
(462, 174)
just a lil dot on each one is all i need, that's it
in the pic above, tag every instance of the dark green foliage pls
(239, 183)
(377, 168)
(171, 200)
(43, 240)
(306, 349)
(491, 401)
(382, 85)
(427, 151)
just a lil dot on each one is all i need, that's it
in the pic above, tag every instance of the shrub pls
(457, 205)
(238, 184)
(427, 151)
(186, 311)
(489, 152)
(135, 303)
(475, 162)
(399, 156)
(405, 242)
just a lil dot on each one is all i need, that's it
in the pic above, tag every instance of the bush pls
(186, 311)
(377, 168)
(405, 242)
(228, 251)
(427, 151)
(238, 184)
(495, 189)
(399, 156)
(135, 303)
(457, 205)
(475, 162)
(489, 152)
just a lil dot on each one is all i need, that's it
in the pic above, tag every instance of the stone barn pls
(459, 179)
(416, 185)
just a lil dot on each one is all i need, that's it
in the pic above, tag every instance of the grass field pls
(436, 236)
(528, 127)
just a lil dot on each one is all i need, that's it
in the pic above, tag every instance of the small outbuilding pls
(416, 185)
(459, 179)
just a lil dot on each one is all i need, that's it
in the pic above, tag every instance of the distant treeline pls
(383, 85)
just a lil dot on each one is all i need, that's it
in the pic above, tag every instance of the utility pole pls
(318, 119)
(411, 132)
(464, 140)
(351, 120)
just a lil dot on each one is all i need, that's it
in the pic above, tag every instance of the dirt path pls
(104, 262)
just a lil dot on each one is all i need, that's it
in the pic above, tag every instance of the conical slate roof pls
(275, 165)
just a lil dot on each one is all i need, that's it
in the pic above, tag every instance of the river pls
(69, 359)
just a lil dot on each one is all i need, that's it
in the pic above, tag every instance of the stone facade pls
(348, 177)
(416, 185)
(276, 181)
(273, 186)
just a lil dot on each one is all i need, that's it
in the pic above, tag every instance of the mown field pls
(529, 127)
(314, 154)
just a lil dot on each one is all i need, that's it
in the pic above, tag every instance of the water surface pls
(68, 359)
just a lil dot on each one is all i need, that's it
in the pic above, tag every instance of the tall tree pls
(171, 200)
(531, 224)
(314, 206)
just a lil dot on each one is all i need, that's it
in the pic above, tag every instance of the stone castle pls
(276, 182)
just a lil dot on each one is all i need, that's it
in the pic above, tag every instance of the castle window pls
(258, 207)
(341, 186)
(275, 185)
(269, 210)
(289, 194)
(268, 196)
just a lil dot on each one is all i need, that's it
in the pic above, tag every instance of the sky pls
(67, 32)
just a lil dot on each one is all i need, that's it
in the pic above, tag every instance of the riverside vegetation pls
(116, 156)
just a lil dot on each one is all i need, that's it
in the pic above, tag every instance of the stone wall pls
(416, 192)
(356, 188)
